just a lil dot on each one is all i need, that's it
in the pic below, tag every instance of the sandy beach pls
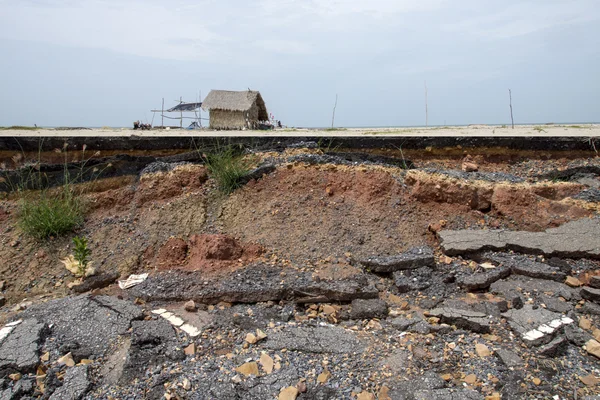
(589, 130)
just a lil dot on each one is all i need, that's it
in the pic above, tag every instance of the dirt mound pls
(211, 253)
(165, 185)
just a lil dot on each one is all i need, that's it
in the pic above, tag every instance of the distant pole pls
(511, 109)
(426, 107)
(162, 113)
(334, 107)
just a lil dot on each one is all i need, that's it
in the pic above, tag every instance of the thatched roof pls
(235, 101)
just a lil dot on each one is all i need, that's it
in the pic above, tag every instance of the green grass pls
(18, 128)
(46, 214)
(228, 168)
(334, 129)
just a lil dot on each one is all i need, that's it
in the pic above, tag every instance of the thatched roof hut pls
(235, 110)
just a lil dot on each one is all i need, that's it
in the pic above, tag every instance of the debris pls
(482, 350)
(247, 369)
(67, 360)
(465, 319)
(573, 282)
(190, 350)
(414, 258)
(589, 380)
(364, 395)
(288, 393)
(266, 362)
(132, 281)
(593, 347)
(190, 306)
(367, 309)
(324, 376)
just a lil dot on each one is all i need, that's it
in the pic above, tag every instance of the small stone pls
(365, 396)
(67, 359)
(45, 357)
(494, 396)
(470, 379)
(190, 306)
(266, 362)
(247, 369)
(585, 323)
(324, 376)
(482, 350)
(384, 393)
(190, 350)
(15, 377)
(589, 380)
(593, 347)
(447, 377)
(289, 393)
(469, 166)
(260, 335)
(301, 387)
(328, 310)
(537, 381)
(573, 282)
(186, 384)
(251, 338)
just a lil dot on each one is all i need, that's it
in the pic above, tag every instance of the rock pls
(251, 338)
(414, 258)
(576, 239)
(483, 280)
(595, 282)
(590, 294)
(266, 362)
(482, 350)
(590, 308)
(324, 376)
(76, 384)
(190, 350)
(91, 322)
(368, 309)
(67, 360)
(576, 335)
(428, 383)
(585, 323)
(464, 319)
(365, 396)
(328, 310)
(554, 348)
(247, 369)
(470, 379)
(190, 306)
(509, 358)
(98, 281)
(20, 350)
(407, 281)
(555, 304)
(521, 265)
(469, 166)
(593, 348)
(186, 384)
(536, 381)
(404, 323)
(315, 340)
(288, 393)
(505, 287)
(589, 380)
(573, 282)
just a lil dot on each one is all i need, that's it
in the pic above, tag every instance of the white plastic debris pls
(132, 281)
(8, 328)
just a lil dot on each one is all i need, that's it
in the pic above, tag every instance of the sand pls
(589, 130)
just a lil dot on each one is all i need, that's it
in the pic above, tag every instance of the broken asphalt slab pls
(536, 326)
(256, 283)
(414, 258)
(465, 319)
(85, 325)
(320, 339)
(76, 384)
(19, 351)
(576, 239)
(522, 265)
(483, 280)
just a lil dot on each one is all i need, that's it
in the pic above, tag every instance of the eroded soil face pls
(338, 263)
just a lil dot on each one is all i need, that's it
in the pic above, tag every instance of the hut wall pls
(223, 119)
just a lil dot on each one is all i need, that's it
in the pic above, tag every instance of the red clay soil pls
(207, 253)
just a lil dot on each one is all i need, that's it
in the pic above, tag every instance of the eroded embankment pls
(329, 274)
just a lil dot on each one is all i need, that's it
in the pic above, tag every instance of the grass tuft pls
(18, 128)
(50, 214)
(228, 168)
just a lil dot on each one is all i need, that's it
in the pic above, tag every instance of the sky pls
(109, 62)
